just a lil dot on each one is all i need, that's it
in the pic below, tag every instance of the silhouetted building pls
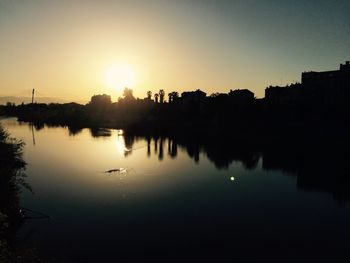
(331, 79)
(291, 94)
(241, 95)
(326, 88)
(197, 95)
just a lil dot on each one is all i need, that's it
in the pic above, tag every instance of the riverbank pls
(12, 182)
(257, 121)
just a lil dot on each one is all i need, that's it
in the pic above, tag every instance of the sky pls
(71, 49)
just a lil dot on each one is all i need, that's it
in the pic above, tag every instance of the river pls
(109, 196)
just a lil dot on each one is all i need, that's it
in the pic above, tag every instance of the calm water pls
(176, 201)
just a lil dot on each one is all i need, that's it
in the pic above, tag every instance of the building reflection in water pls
(317, 167)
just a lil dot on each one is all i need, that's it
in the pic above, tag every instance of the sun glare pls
(120, 76)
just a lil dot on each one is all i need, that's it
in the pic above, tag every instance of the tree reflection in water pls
(318, 167)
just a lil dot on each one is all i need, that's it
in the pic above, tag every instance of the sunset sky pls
(72, 49)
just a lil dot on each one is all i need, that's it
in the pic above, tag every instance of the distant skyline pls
(74, 49)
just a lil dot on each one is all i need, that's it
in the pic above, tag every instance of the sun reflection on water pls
(120, 144)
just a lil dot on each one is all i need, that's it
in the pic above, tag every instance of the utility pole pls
(33, 96)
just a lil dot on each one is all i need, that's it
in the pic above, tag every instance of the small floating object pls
(117, 170)
(27, 213)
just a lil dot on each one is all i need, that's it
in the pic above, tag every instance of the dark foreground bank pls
(12, 182)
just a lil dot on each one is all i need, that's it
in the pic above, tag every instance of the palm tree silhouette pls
(170, 95)
(149, 95)
(161, 96)
(174, 96)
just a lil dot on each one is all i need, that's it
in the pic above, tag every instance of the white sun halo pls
(119, 76)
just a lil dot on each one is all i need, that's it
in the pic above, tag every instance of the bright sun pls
(119, 76)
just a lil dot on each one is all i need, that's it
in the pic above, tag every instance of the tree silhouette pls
(12, 182)
(149, 95)
(100, 100)
(127, 93)
(170, 95)
(161, 96)
(214, 95)
(174, 96)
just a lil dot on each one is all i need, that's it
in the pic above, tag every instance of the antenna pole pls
(33, 95)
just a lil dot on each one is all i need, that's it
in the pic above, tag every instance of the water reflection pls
(317, 167)
(172, 148)
(33, 133)
(112, 192)
(73, 131)
(100, 132)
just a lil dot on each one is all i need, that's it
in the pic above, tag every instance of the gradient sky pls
(62, 48)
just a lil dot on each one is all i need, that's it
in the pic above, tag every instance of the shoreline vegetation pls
(12, 183)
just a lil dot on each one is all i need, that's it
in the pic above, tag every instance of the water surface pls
(172, 200)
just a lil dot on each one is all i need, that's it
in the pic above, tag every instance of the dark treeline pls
(191, 111)
(316, 107)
